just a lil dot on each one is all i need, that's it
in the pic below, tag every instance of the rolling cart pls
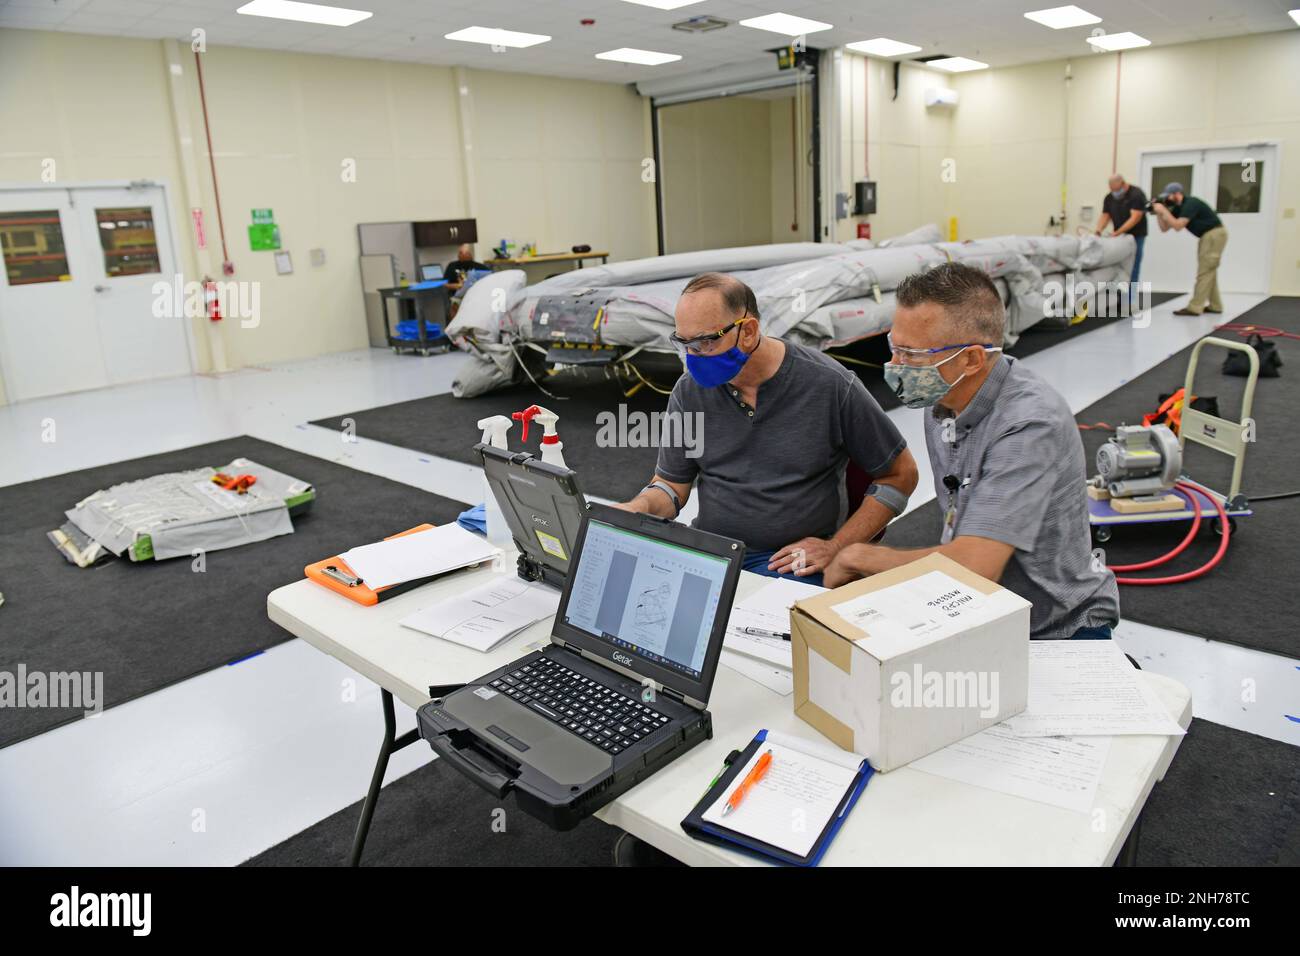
(424, 310)
(1222, 435)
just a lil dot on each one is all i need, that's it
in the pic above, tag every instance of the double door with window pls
(1240, 185)
(80, 304)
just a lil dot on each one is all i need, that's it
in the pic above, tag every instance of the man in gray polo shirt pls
(1007, 458)
(779, 422)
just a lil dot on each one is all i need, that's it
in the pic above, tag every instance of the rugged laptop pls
(621, 689)
(543, 506)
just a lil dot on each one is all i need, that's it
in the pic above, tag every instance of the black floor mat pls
(1247, 599)
(1229, 799)
(446, 426)
(1039, 337)
(151, 624)
(435, 817)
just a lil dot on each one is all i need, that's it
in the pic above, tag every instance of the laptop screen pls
(649, 597)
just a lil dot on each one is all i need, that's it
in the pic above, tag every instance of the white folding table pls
(906, 817)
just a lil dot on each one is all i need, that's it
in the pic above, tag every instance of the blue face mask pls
(1118, 193)
(712, 370)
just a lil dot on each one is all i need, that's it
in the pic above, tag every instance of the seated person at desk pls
(1006, 454)
(464, 262)
(777, 425)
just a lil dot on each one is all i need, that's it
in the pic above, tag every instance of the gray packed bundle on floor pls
(822, 295)
(181, 513)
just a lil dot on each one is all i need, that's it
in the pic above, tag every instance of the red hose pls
(1182, 545)
(1196, 521)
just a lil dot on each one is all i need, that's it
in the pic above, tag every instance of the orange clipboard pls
(359, 592)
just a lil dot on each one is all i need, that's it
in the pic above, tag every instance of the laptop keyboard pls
(582, 706)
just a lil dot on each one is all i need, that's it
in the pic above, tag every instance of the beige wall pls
(905, 145)
(1008, 138)
(1009, 130)
(716, 169)
(559, 162)
(556, 161)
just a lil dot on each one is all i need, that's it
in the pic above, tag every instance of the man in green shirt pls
(1178, 211)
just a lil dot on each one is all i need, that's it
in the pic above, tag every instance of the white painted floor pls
(222, 766)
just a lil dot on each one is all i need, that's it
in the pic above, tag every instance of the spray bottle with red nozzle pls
(552, 447)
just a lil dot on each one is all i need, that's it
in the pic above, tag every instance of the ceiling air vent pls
(702, 24)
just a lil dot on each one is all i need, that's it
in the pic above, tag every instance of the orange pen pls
(751, 778)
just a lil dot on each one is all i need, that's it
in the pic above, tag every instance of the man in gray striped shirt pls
(1006, 454)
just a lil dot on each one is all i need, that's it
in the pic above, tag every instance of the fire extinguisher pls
(864, 230)
(210, 300)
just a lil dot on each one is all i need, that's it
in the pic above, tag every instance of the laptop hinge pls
(669, 692)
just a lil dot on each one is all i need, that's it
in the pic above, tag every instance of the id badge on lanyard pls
(949, 521)
(950, 515)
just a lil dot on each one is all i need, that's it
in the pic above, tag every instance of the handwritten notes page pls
(1062, 771)
(797, 797)
(1088, 688)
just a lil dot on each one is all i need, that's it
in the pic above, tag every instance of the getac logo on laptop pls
(537, 519)
(623, 659)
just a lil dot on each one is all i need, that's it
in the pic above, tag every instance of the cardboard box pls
(900, 664)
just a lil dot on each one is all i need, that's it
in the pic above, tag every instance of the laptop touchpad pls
(529, 737)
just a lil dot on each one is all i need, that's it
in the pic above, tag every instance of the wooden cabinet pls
(445, 232)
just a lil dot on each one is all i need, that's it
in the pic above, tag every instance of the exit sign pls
(263, 217)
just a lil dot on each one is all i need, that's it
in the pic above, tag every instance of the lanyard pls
(953, 484)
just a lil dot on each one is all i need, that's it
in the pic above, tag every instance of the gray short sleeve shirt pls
(773, 474)
(1017, 453)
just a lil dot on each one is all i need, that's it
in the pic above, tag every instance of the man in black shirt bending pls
(1125, 210)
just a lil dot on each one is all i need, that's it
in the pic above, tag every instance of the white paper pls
(418, 555)
(771, 676)
(1079, 688)
(767, 609)
(917, 611)
(486, 615)
(793, 802)
(1062, 771)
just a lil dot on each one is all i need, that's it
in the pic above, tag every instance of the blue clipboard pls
(700, 829)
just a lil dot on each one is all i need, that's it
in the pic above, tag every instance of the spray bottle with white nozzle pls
(552, 447)
(498, 532)
(494, 430)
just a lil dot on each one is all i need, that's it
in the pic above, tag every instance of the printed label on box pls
(922, 609)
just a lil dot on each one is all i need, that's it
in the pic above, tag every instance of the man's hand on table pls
(806, 556)
(852, 562)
